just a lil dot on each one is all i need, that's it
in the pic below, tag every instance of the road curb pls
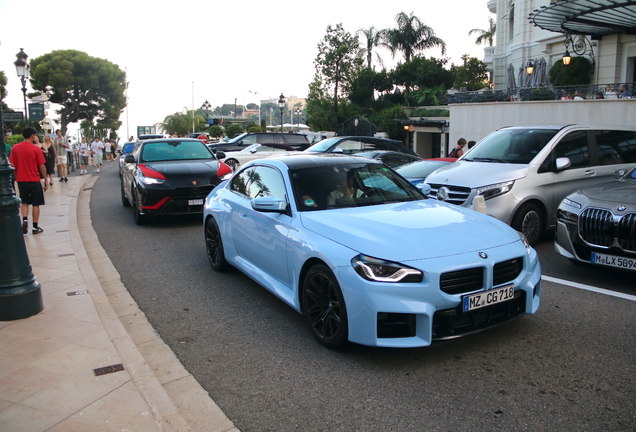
(177, 400)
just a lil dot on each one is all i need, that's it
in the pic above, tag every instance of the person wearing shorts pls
(60, 149)
(83, 150)
(97, 149)
(28, 161)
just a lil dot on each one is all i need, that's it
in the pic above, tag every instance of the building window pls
(511, 23)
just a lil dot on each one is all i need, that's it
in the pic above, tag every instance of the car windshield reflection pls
(175, 150)
(516, 146)
(349, 185)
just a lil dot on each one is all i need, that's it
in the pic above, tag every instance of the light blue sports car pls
(364, 255)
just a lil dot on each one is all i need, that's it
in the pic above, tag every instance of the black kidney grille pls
(462, 281)
(507, 271)
(596, 227)
(627, 232)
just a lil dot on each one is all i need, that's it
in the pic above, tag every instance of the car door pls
(615, 150)
(260, 237)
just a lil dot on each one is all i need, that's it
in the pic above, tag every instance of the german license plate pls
(613, 261)
(487, 298)
(195, 202)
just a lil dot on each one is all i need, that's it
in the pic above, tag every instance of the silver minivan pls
(524, 172)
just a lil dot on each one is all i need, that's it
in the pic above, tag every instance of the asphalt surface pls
(570, 367)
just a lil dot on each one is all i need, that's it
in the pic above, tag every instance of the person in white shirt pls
(97, 149)
(107, 148)
(84, 152)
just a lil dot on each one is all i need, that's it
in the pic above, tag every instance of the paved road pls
(570, 367)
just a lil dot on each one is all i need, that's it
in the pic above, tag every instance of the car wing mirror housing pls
(424, 188)
(563, 163)
(269, 204)
(129, 158)
(220, 154)
(619, 173)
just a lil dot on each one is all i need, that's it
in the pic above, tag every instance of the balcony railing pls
(607, 91)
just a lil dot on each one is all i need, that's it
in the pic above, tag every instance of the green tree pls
(423, 80)
(320, 114)
(216, 131)
(336, 62)
(471, 74)
(3, 91)
(485, 35)
(373, 39)
(86, 87)
(576, 73)
(233, 130)
(411, 36)
(181, 122)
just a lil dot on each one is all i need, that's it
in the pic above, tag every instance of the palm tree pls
(411, 36)
(485, 35)
(374, 38)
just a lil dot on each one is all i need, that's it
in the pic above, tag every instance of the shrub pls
(576, 73)
(541, 94)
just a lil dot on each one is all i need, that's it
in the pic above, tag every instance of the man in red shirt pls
(28, 161)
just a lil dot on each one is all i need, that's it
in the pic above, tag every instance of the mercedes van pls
(524, 172)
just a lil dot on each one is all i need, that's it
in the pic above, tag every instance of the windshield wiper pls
(490, 160)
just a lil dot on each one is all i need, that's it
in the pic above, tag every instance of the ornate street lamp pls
(530, 67)
(567, 57)
(281, 105)
(22, 68)
(206, 109)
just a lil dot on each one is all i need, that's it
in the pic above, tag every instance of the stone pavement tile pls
(72, 425)
(71, 359)
(4, 404)
(26, 381)
(48, 275)
(139, 328)
(67, 396)
(115, 379)
(27, 419)
(162, 361)
(123, 304)
(52, 287)
(71, 309)
(19, 349)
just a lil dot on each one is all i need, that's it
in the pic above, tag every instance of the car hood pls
(410, 231)
(476, 174)
(617, 191)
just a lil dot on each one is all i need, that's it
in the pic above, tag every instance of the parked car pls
(392, 159)
(126, 149)
(254, 151)
(169, 176)
(378, 266)
(524, 172)
(597, 225)
(358, 144)
(416, 172)
(295, 141)
(150, 136)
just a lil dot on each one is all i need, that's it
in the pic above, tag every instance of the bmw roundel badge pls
(621, 208)
(483, 255)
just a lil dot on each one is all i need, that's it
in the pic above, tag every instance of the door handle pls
(590, 173)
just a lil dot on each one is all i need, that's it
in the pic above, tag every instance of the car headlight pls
(151, 180)
(571, 203)
(524, 240)
(494, 190)
(377, 270)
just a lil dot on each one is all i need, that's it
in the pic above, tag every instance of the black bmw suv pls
(297, 142)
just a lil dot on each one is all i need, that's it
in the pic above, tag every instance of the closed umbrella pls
(511, 85)
(541, 71)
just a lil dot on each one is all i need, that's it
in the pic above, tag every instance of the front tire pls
(214, 246)
(124, 200)
(139, 218)
(324, 307)
(232, 163)
(529, 221)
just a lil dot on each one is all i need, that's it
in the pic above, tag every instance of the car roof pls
(171, 140)
(303, 160)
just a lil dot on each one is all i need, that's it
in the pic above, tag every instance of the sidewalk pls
(48, 361)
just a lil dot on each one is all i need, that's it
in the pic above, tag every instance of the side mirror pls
(563, 163)
(337, 150)
(620, 173)
(269, 204)
(219, 154)
(424, 188)
(129, 158)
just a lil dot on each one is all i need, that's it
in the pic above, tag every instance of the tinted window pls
(396, 159)
(615, 147)
(420, 169)
(378, 146)
(518, 146)
(175, 150)
(259, 181)
(296, 139)
(575, 147)
(351, 147)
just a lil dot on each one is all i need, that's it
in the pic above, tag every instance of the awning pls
(587, 17)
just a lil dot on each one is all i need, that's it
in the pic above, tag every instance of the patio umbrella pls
(522, 78)
(541, 73)
(511, 85)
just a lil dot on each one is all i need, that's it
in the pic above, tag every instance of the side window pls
(615, 147)
(575, 147)
(265, 138)
(350, 147)
(259, 181)
(377, 146)
(249, 140)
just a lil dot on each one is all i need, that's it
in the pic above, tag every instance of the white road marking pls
(589, 288)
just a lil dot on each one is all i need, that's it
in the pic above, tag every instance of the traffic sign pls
(36, 111)
(12, 117)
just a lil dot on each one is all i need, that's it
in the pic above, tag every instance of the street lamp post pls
(281, 105)
(20, 293)
(22, 68)
(298, 112)
(206, 109)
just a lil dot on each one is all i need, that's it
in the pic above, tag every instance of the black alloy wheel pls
(214, 246)
(529, 221)
(232, 163)
(139, 218)
(324, 307)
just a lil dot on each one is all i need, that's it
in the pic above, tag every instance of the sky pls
(179, 54)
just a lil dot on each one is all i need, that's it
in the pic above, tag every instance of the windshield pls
(517, 146)
(349, 185)
(175, 150)
(238, 138)
(323, 146)
(420, 169)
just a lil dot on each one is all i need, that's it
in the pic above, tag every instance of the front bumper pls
(416, 314)
(161, 202)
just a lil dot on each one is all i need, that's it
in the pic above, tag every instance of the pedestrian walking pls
(84, 152)
(62, 160)
(458, 151)
(50, 156)
(28, 161)
(97, 149)
(69, 155)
